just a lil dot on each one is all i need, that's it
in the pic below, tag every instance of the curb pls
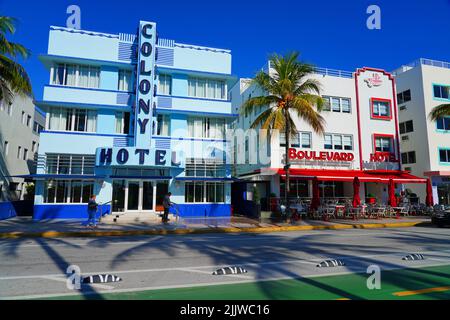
(77, 234)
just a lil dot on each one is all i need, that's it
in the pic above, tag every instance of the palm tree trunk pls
(287, 162)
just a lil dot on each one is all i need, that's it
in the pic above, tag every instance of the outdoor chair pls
(404, 211)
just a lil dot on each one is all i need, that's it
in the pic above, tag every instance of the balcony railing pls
(421, 61)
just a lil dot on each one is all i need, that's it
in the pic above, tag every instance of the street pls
(36, 268)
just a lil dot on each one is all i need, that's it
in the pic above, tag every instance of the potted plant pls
(257, 201)
(370, 198)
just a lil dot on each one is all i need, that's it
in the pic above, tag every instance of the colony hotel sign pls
(142, 152)
(320, 156)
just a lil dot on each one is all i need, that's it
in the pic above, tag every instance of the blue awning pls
(60, 176)
(210, 179)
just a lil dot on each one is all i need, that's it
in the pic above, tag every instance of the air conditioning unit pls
(405, 138)
(403, 107)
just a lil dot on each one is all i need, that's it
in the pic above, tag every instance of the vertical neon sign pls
(145, 87)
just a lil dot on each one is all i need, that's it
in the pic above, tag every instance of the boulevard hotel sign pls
(141, 153)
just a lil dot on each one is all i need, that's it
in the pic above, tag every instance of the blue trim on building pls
(88, 89)
(62, 176)
(130, 177)
(204, 210)
(88, 134)
(192, 98)
(55, 58)
(65, 211)
(217, 114)
(48, 103)
(203, 179)
(177, 70)
(7, 210)
(189, 139)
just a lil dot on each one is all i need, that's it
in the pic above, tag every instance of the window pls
(33, 146)
(300, 140)
(125, 80)
(6, 147)
(381, 108)
(69, 163)
(200, 127)
(326, 104)
(199, 167)
(165, 84)
(383, 144)
(76, 76)
(163, 125)
(444, 156)
(63, 119)
(297, 188)
(19, 152)
(404, 96)
(406, 127)
(441, 91)
(29, 121)
(68, 191)
(443, 123)
(336, 104)
(207, 88)
(23, 117)
(198, 192)
(25, 154)
(37, 127)
(9, 109)
(122, 122)
(2, 105)
(408, 157)
(338, 142)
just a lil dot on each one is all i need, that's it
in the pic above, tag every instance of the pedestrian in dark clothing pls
(166, 204)
(92, 210)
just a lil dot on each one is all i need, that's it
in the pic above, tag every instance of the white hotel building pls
(425, 145)
(361, 140)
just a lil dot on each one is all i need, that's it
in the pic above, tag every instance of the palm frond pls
(305, 110)
(439, 111)
(255, 102)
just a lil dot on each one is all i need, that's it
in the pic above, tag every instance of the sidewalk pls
(20, 227)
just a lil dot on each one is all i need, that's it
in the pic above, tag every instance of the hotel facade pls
(361, 140)
(131, 117)
(425, 144)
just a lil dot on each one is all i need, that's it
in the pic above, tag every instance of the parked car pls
(441, 217)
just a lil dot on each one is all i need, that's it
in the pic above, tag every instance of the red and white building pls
(361, 140)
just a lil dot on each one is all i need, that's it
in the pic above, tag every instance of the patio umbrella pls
(356, 198)
(392, 198)
(429, 198)
(315, 202)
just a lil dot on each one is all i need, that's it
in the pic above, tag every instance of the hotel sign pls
(382, 157)
(320, 155)
(374, 81)
(136, 157)
(146, 88)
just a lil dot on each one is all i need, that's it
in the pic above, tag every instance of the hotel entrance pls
(137, 195)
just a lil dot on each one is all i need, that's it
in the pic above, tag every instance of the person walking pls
(166, 204)
(92, 210)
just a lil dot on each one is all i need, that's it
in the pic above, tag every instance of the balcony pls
(87, 96)
(194, 105)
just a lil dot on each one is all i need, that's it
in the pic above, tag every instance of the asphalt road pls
(33, 268)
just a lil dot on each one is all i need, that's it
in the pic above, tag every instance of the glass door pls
(118, 196)
(147, 195)
(133, 195)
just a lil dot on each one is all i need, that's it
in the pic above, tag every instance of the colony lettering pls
(320, 156)
(146, 89)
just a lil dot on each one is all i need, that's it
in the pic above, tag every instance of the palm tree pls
(13, 77)
(288, 90)
(440, 111)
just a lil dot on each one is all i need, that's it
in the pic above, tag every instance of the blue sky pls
(328, 33)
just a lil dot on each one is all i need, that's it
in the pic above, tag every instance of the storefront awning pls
(207, 179)
(348, 175)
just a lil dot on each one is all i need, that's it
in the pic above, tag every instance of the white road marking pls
(214, 267)
(61, 279)
(137, 289)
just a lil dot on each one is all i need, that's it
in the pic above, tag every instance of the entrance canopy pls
(382, 176)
